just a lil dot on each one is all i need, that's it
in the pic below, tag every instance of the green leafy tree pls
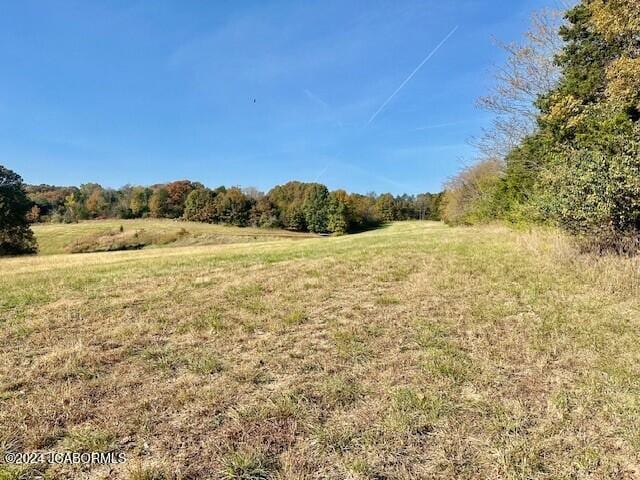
(385, 207)
(338, 217)
(428, 206)
(233, 207)
(294, 219)
(139, 203)
(589, 181)
(74, 209)
(15, 234)
(288, 200)
(315, 208)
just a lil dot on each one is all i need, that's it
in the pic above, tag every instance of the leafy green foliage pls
(470, 196)
(581, 168)
(595, 193)
(233, 207)
(315, 208)
(15, 234)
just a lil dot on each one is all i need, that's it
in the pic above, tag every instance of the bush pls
(596, 196)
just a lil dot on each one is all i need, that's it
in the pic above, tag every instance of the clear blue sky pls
(144, 92)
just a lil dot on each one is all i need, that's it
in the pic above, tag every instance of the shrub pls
(470, 196)
(596, 196)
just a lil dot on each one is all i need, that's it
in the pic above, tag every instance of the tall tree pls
(15, 234)
(177, 193)
(385, 207)
(591, 185)
(315, 207)
(139, 203)
(96, 204)
(159, 203)
(529, 71)
(200, 206)
(338, 217)
(233, 207)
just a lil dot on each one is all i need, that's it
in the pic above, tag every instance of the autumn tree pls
(468, 197)
(264, 214)
(177, 193)
(74, 209)
(529, 71)
(139, 203)
(591, 183)
(200, 206)
(385, 207)
(159, 203)
(96, 204)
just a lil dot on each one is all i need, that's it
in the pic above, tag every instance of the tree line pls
(565, 145)
(298, 206)
(295, 205)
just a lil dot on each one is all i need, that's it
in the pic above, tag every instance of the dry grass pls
(63, 238)
(414, 351)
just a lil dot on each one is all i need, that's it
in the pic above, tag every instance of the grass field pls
(413, 351)
(55, 237)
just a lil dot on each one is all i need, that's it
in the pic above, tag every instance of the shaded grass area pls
(416, 351)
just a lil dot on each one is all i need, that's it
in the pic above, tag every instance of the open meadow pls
(411, 351)
(60, 237)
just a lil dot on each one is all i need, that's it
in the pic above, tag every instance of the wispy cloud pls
(427, 58)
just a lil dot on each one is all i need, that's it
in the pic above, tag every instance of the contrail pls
(439, 125)
(324, 170)
(325, 106)
(433, 52)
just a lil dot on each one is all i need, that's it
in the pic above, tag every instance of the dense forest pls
(564, 148)
(294, 206)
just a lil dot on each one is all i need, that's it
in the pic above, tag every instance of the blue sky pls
(143, 92)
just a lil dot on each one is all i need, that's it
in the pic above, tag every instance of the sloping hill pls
(61, 238)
